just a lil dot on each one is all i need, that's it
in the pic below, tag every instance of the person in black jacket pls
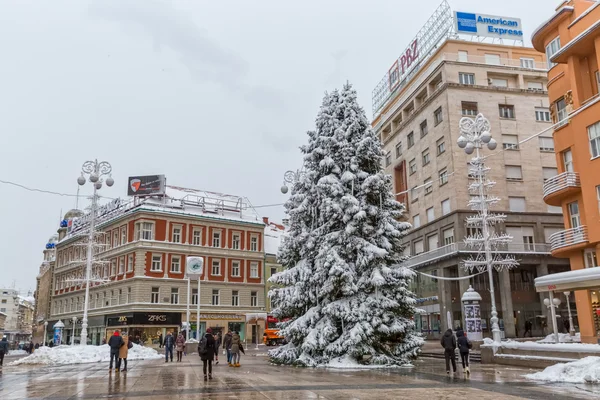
(464, 345)
(169, 344)
(115, 342)
(448, 342)
(206, 350)
(3, 349)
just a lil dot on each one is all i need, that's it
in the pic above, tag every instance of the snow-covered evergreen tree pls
(343, 293)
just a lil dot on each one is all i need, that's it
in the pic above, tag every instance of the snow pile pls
(192, 340)
(62, 355)
(586, 370)
(544, 345)
(562, 338)
(17, 353)
(347, 362)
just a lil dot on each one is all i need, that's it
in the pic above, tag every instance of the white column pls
(553, 314)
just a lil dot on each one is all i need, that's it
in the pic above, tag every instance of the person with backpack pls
(169, 343)
(3, 350)
(179, 346)
(206, 351)
(236, 347)
(227, 346)
(115, 343)
(448, 342)
(124, 352)
(464, 346)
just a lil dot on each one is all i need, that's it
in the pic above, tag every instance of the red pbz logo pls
(135, 185)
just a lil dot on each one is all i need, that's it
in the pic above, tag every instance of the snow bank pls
(347, 362)
(61, 355)
(17, 353)
(544, 345)
(586, 370)
(562, 338)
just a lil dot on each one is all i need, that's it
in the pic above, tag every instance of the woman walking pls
(218, 341)
(464, 346)
(179, 346)
(124, 352)
(206, 350)
(236, 347)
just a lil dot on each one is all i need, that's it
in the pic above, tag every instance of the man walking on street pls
(448, 342)
(227, 346)
(3, 350)
(115, 342)
(169, 343)
(160, 341)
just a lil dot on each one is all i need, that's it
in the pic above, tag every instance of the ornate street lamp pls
(552, 303)
(291, 177)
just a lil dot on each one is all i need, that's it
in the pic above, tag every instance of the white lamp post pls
(291, 177)
(552, 303)
(95, 170)
(571, 327)
(74, 322)
(45, 333)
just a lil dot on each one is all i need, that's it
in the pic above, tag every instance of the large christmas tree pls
(343, 293)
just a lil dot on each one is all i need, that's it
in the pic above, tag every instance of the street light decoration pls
(291, 177)
(485, 242)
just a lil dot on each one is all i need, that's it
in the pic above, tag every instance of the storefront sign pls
(110, 210)
(425, 299)
(144, 319)
(119, 320)
(488, 25)
(226, 317)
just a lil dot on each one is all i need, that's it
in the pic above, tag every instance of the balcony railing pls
(503, 62)
(560, 182)
(569, 237)
(461, 248)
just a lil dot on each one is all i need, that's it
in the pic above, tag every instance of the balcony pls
(568, 238)
(455, 249)
(559, 186)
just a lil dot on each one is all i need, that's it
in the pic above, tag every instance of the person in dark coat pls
(115, 342)
(448, 342)
(227, 346)
(527, 328)
(3, 349)
(160, 341)
(218, 342)
(208, 356)
(464, 346)
(169, 344)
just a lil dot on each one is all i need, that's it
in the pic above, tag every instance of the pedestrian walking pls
(527, 328)
(124, 352)
(115, 343)
(3, 349)
(464, 347)
(206, 351)
(236, 348)
(448, 342)
(218, 341)
(227, 346)
(160, 341)
(179, 346)
(169, 343)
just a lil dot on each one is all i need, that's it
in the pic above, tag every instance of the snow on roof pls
(273, 236)
(580, 275)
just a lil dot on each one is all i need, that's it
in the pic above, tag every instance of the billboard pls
(148, 185)
(488, 26)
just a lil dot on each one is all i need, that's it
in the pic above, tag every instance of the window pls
(144, 231)
(469, 108)
(574, 216)
(253, 270)
(176, 234)
(130, 263)
(546, 144)
(591, 261)
(235, 241)
(215, 297)
(174, 296)
(253, 243)
(113, 268)
(448, 236)
(195, 296)
(554, 210)
(216, 239)
(522, 235)
(388, 158)
(535, 85)
(466, 79)
(432, 242)
(561, 112)
(154, 295)
(446, 207)
(567, 157)
(507, 111)
(438, 116)
(493, 59)
(411, 139)
(549, 172)
(416, 221)
(551, 50)
(197, 237)
(414, 194)
(542, 114)
(412, 166)
(235, 268)
(115, 242)
(273, 271)
(428, 186)
(235, 298)
(594, 135)
(514, 173)
(175, 264)
(510, 142)
(598, 195)
(156, 263)
(128, 295)
(121, 265)
(516, 204)
(398, 149)
(424, 128)
(527, 63)
(443, 177)
(418, 247)
(216, 267)
(498, 82)
(463, 56)
(123, 235)
(253, 299)
(430, 214)
(425, 156)
(441, 146)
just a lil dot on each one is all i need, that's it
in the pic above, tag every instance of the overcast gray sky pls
(216, 95)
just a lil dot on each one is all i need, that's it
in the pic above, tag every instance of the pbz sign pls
(398, 70)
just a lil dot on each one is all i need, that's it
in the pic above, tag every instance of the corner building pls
(571, 40)
(419, 127)
(145, 242)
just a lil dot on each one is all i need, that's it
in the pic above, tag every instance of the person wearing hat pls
(115, 343)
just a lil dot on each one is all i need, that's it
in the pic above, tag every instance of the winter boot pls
(116, 369)
(205, 378)
(468, 371)
(209, 376)
(237, 365)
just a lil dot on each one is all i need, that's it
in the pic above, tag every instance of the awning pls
(581, 279)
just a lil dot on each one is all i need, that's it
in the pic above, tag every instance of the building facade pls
(571, 40)
(273, 235)
(19, 316)
(419, 128)
(140, 261)
(43, 292)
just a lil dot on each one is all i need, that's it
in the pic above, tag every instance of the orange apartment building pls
(571, 41)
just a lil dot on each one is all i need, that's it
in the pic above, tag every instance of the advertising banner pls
(57, 336)
(148, 185)
(488, 26)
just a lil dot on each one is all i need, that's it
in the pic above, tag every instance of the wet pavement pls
(257, 379)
